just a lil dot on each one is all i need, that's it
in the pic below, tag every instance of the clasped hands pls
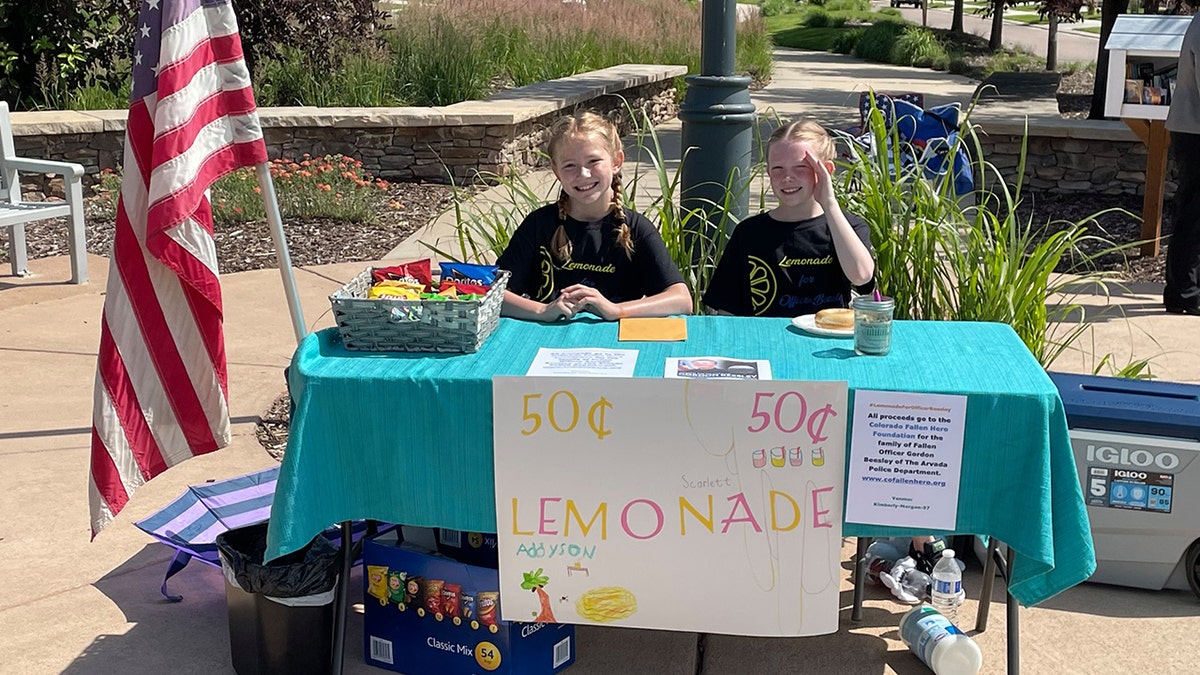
(579, 298)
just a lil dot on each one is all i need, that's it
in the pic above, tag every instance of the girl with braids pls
(589, 253)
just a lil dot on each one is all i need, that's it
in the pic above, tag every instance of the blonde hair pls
(807, 131)
(593, 126)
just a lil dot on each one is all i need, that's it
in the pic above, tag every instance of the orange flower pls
(257, 190)
(237, 209)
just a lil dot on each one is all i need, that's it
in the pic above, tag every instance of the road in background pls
(1072, 45)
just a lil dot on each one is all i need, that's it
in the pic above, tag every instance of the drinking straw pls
(876, 296)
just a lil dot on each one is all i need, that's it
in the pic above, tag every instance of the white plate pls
(808, 324)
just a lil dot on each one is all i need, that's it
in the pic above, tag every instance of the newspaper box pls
(1136, 444)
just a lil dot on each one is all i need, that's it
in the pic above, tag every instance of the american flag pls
(161, 394)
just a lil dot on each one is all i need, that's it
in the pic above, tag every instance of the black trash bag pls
(311, 570)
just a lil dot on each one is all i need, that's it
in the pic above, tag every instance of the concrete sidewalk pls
(68, 605)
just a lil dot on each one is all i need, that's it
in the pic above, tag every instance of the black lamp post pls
(717, 120)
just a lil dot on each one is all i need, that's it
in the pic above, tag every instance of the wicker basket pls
(395, 325)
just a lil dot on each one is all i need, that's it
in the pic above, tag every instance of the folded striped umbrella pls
(191, 523)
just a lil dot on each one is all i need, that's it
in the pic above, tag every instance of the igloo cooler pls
(1136, 444)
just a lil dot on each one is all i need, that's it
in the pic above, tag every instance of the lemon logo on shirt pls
(762, 285)
(545, 291)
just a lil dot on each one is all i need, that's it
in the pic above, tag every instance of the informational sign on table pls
(584, 362)
(700, 505)
(905, 459)
(717, 368)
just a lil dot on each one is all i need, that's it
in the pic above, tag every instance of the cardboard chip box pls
(427, 614)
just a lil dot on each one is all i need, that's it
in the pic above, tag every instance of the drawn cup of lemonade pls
(759, 458)
(818, 456)
(777, 457)
(796, 456)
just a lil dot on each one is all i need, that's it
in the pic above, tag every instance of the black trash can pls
(280, 614)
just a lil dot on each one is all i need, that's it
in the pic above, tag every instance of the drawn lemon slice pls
(420, 611)
(762, 285)
(546, 272)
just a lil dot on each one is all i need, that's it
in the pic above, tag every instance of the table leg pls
(1014, 628)
(860, 577)
(985, 593)
(341, 602)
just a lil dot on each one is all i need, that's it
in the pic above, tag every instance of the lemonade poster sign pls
(699, 505)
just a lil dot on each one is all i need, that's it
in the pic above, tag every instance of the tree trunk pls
(1052, 43)
(956, 21)
(1108, 16)
(997, 38)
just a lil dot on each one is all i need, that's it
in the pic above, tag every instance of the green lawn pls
(788, 30)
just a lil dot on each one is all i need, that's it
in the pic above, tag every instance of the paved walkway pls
(70, 606)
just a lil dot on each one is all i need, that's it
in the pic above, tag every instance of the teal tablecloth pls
(408, 438)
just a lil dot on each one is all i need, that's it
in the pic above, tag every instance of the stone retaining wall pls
(489, 136)
(509, 130)
(1072, 156)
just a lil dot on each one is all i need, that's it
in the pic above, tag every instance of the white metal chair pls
(14, 213)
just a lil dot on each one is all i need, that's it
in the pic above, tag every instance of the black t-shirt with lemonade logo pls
(782, 269)
(597, 260)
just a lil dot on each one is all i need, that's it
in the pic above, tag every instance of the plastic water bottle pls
(946, 592)
(939, 643)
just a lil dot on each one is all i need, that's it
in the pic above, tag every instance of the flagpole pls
(271, 204)
(341, 604)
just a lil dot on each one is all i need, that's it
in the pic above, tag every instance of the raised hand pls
(822, 180)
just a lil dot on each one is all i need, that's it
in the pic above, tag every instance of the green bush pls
(322, 31)
(890, 12)
(848, 6)
(921, 48)
(333, 186)
(845, 42)
(817, 17)
(49, 49)
(877, 41)
(777, 7)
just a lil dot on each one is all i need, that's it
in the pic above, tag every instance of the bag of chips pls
(460, 287)
(475, 275)
(401, 290)
(416, 272)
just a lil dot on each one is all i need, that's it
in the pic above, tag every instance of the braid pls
(560, 244)
(624, 234)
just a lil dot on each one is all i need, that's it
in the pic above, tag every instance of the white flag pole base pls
(271, 204)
